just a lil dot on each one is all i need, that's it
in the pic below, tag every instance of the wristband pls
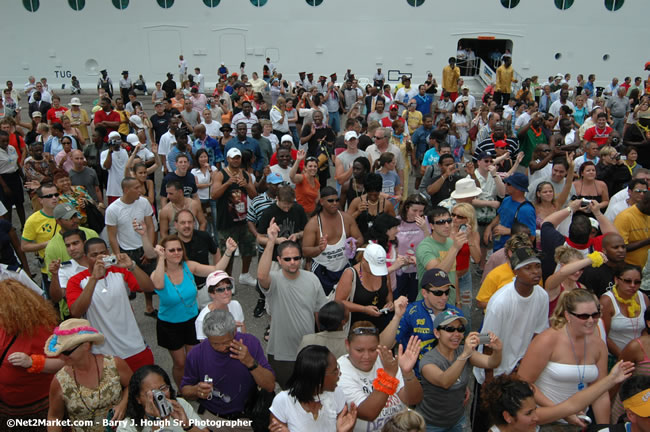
(188, 428)
(38, 363)
(385, 383)
(132, 266)
(596, 259)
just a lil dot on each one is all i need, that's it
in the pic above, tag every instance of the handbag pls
(258, 407)
(473, 132)
(332, 295)
(94, 218)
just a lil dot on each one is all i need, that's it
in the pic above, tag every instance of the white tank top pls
(624, 329)
(559, 381)
(333, 257)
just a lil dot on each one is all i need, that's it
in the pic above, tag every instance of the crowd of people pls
(371, 213)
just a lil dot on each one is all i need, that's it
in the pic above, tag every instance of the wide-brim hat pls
(466, 188)
(69, 334)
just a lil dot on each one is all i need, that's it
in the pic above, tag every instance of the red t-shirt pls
(294, 155)
(20, 148)
(54, 114)
(114, 276)
(388, 122)
(599, 136)
(112, 116)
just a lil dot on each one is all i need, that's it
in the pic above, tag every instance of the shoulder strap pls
(4, 353)
(520, 206)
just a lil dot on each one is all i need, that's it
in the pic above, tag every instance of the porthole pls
(211, 3)
(563, 4)
(165, 4)
(31, 5)
(614, 5)
(558, 56)
(415, 3)
(121, 4)
(605, 57)
(509, 4)
(258, 3)
(77, 4)
(314, 2)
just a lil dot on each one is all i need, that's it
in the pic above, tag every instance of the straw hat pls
(69, 334)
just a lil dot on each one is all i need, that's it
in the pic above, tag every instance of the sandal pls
(152, 314)
(267, 333)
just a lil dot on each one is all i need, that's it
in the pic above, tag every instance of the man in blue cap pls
(514, 207)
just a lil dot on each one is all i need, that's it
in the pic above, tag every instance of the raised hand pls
(301, 155)
(231, 245)
(346, 419)
(389, 362)
(409, 356)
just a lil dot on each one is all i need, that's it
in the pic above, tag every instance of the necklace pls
(536, 132)
(99, 390)
(632, 305)
(581, 384)
(179, 293)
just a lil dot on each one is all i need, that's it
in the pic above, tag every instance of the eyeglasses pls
(289, 259)
(443, 221)
(222, 289)
(487, 160)
(451, 329)
(174, 250)
(164, 388)
(70, 351)
(586, 316)
(631, 281)
(439, 293)
(52, 195)
(365, 331)
(457, 216)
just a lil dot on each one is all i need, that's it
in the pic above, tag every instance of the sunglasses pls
(455, 215)
(365, 331)
(378, 137)
(174, 250)
(443, 221)
(439, 293)
(311, 158)
(52, 195)
(70, 351)
(331, 200)
(451, 329)
(639, 190)
(586, 316)
(631, 281)
(546, 151)
(222, 289)
(289, 259)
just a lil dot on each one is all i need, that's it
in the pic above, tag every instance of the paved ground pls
(245, 294)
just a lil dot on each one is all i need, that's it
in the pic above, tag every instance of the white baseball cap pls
(350, 135)
(375, 255)
(132, 139)
(233, 152)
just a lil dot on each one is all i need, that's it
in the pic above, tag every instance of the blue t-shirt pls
(431, 157)
(525, 212)
(420, 139)
(423, 103)
(391, 181)
(178, 302)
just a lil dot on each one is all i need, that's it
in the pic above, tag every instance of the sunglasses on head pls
(289, 259)
(52, 195)
(451, 329)
(311, 158)
(223, 288)
(586, 316)
(365, 331)
(443, 221)
(439, 293)
(70, 351)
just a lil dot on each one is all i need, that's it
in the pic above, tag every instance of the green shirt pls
(56, 250)
(528, 144)
(430, 249)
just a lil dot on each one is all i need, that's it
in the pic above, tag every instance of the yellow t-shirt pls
(124, 127)
(450, 78)
(40, 228)
(498, 277)
(504, 79)
(633, 227)
(413, 120)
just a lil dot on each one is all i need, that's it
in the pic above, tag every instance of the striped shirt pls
(487, 145)
(255, 209)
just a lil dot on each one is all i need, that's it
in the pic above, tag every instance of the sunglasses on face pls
(70, 351)
(52, 195)
(639, 190)
(331, 200)
(289, 259)
(451, 329)
(439, 293)
(457, 216)
(222, 289)
(174, 250)
(586, 316)
(443, 221)
(631, 281)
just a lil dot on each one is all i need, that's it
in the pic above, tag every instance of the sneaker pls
(260, 308)
(247, 279)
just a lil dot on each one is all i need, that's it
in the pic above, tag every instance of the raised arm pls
(293, 173)
(264, 265)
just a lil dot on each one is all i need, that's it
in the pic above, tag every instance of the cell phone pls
(384, 310)
(483, 339)
(462, 228)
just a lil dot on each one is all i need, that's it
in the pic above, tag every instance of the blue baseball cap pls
(518, 181)
(274, 178)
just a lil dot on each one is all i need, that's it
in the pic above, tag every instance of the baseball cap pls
(435, 278)
(393, 107)
(274, 178)
(447, 317)
(559, 75)
(216, 277)
(484, 155)
(375, 255)
(350, 135)
(37, 114)
(137, 121)
(114, 135)
(132, 139)
(647, 66)
(65, 211)
(638, 403)
(522, 257)
(233, 152)
(286, 138)
(158, 102)
(465, 87)
(518, 181)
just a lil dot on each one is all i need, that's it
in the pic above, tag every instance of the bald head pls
(614, 248)
(78, 160)
(199, 131)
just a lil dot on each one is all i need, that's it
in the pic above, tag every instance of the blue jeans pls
(294, 135)
(458, 427)
(334, 121)
(465, 293)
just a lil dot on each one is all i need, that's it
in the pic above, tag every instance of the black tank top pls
(365, 219)
(351, 193)
(365, 298)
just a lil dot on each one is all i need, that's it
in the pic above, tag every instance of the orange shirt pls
(306, 195)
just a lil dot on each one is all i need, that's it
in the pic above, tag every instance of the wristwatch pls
(255, 365)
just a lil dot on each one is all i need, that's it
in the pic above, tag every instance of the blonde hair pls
(22, 311)
(467, 210)
(405, 421)
(567, 302)
(566, 254)
(265, 122)
(607, 150)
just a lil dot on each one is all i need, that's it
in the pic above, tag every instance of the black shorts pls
(174, 336)
(15, 185)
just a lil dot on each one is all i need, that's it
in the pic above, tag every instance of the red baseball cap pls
(647, 65)
(393, 107)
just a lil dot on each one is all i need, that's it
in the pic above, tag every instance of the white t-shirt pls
(167, 141)
(212, 129)
(284, 173)
(357, 386)
(515, 320)
(116, 173)
(203, 193)
(234, 308)
(288, 410)
(614, 209)
(145, 154)
(121, 215)
(522, 120)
